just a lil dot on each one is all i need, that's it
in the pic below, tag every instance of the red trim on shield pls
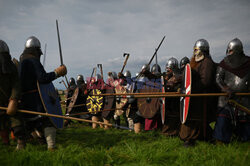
(163, 102)
(187, 92)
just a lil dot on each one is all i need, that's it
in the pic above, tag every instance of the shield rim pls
(71, 106)
(44, 106)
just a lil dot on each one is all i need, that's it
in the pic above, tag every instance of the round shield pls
(187, 88)
(148, 107)
(120, 101)
(73, 100)
(50, 100)
(94, 103)
(109, 103)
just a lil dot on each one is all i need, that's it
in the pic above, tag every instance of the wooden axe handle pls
(125, 62)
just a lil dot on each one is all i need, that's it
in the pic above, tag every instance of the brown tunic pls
(172, 123)
(201, 110)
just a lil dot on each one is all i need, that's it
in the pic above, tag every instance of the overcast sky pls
(100, 31)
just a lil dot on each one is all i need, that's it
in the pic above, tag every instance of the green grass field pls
(81, 145)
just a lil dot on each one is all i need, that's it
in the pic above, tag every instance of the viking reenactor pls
(201, 111)
(109, 101)
(9, 95)
(31, 74)
(120, 87)
(172, 83)
(233, 76)
(185, 60)
(81, 100)
(156, 70)
(144, 77)
(154, 122)
(95, 104)
(129, 83)
(69, 93)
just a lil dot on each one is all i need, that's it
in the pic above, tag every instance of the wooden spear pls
(58, 116)
(159, 95)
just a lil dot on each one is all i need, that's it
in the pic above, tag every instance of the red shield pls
(185, 101)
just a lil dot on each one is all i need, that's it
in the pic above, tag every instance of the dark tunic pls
(9, 86)
(172, 123)
(201, 109)
(31, 71)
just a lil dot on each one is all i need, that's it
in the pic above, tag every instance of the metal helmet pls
(4, 47)
(127, 74)
(183, 62)
(80, 78)
(156, 69)
(172, 63)
(72, 81)
(202, 45)
(235, 46)
(145, 67)
(98, 77)
(32, 42)
(114, 75)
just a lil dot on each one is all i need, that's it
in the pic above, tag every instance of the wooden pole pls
(57, 116)
(167, 94)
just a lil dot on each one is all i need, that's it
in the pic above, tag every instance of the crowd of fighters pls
(18, 90)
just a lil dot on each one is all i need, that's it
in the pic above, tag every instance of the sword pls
(125, 62)
(44, 55)
(60, 49)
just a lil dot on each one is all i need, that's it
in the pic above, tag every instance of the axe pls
(100, 67)
(93, 73)
(63, 83)
(125, 62)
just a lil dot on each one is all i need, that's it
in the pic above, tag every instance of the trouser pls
(45, 126)
(226, 126)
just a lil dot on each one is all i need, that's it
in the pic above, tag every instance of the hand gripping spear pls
(60, 49)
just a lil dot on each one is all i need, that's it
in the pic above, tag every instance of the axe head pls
(99, 65)
(125, 54)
